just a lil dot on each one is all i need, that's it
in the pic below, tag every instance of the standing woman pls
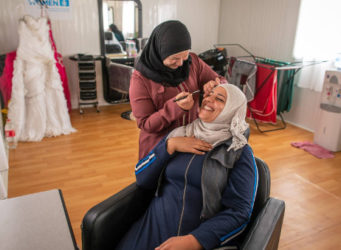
(165, 71)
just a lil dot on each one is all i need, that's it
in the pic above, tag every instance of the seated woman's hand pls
(209, 86)
(187, 103)
(187, 242)
(187, 145)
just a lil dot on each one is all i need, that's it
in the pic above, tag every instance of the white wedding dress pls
(38, 106)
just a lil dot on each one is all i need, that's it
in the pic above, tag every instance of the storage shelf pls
(87, 81)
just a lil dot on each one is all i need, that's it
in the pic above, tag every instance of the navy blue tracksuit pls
(176, 211)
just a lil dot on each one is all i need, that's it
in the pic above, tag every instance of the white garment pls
(38, 106)
(229, 123)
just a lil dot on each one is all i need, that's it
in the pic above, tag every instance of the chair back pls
(263, 190)
(119, 77)
(263, 193)
(113, 48)
(105, 224)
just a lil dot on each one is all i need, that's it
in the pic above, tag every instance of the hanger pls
(20, 9)
(41, 2)
(43, 7)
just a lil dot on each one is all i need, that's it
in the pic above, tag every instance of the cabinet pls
(3, 163)
(3, 143)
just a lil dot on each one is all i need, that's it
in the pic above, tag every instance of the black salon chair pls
(110, 46)
(105, 224)
(119, 77)
(118, 84)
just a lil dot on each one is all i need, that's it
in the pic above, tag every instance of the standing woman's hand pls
(210, 85)
(187, 103)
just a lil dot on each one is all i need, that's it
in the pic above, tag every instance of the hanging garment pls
(286, 90)
(285, 84)
(61, 69)
(7, 74)
(6, 77)
(263, 107)
(38, 106)
(243, 74)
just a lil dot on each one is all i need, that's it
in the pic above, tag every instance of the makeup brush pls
(184, 97)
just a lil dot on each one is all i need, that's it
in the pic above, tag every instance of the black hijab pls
(167, 38)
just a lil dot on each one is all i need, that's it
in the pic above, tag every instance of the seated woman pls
(118, 34)
(205, 178)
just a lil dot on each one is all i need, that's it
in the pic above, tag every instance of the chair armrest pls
(104, 224)
(266, 228)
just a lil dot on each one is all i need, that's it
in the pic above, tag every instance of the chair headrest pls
(108, 35)
(263, 191)
(112, 48)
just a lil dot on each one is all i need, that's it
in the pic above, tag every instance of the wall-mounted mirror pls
(120, 23)
(120, 28)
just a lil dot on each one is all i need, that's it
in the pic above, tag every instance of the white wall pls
(267, 28)
(200, 17)
(305, 109)
(80, 34)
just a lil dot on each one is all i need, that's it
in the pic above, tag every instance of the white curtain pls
(318, 38)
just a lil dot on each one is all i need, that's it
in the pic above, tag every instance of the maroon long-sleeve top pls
(153, 107)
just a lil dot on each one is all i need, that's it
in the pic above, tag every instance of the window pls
(318, 38)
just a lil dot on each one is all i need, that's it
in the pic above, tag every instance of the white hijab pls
(229, 123)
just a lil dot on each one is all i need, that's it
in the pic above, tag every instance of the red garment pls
(264, 104)
(6, 77)
(61, 69)
(153, 107)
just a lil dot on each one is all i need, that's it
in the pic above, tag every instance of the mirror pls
(120, 24)
(127, 17)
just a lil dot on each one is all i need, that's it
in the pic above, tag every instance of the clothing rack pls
(275, 65)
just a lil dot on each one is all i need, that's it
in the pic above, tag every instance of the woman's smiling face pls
(213, 104)
(176, 60)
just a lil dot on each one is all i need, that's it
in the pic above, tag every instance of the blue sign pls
(56, 9)
(64, 3)
(51, 3)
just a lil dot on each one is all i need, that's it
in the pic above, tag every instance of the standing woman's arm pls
(148, 117)
(205, 74)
